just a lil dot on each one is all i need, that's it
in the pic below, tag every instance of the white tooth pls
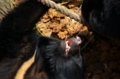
(68, 47)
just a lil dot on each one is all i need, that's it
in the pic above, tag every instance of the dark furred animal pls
(103, 16)
(58, 62)
(26, 55)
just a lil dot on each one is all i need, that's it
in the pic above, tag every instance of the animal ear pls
(44, 41)
(47, 40)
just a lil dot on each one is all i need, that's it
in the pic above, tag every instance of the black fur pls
(19, 41)
(103, 16)
(57, 65)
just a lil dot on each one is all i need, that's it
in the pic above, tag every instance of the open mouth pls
(68, 45)
(76, 40)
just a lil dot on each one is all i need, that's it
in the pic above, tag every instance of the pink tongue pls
(69, 42)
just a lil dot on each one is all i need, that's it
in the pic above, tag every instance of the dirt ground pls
(102, 58)
(101, 55)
